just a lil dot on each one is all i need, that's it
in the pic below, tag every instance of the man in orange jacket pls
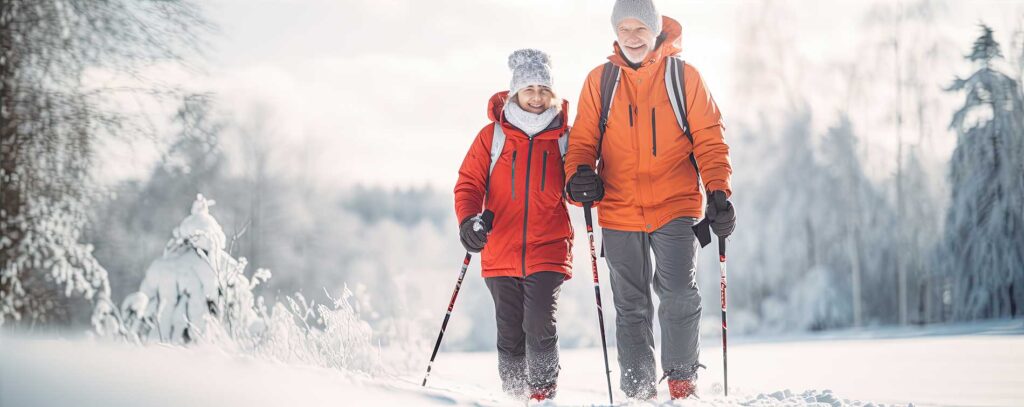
(649, 195)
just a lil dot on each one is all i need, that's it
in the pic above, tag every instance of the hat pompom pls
(528, 56)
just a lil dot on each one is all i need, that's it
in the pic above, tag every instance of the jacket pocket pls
(513, 175)
(654, 134)
(544, 171)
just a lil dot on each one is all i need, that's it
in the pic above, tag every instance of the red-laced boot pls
(681, 389)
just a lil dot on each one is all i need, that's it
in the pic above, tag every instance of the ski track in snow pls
(953, 370)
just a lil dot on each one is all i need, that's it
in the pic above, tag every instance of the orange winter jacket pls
(648, 177)
(531, 230)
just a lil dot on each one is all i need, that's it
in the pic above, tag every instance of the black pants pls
(527, 340)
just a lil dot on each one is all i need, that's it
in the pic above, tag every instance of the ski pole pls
(725, 359)
(597, 295)
(488, 218)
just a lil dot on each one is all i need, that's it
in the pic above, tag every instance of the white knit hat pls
(643, 10)
(529, 67)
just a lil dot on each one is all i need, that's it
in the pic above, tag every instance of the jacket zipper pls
(654, 135)
(526, 200)
(513, 175)
(544, 171)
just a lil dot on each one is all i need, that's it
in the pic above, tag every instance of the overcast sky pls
(393, 91)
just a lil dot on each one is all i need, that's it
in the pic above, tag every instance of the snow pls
(976, 365)
(200, 229)
(61, 373)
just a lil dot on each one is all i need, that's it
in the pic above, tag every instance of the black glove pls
(585, 186)
(473, 231)
(721, 213)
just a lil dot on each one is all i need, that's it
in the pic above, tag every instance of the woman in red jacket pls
(528, 252)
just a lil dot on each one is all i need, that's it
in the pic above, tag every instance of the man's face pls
(635, 39)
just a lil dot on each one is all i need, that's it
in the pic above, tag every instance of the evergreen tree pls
(50, 124)
(985, 222)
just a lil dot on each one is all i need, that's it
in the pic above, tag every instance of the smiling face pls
(635, 39)
(535, 98)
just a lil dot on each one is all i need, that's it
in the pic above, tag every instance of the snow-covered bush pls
(813, 303)
(329, 335)
(194, 281)
(197, 292)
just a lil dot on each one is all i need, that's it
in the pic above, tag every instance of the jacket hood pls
(671, 44)
(496, 113)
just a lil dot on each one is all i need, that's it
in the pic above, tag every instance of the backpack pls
(674, 84)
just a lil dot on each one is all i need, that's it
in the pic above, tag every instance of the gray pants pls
(629, 259)
(527, 340)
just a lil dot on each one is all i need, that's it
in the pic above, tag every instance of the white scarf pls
(529, 123)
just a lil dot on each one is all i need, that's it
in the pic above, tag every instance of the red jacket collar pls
(496, 112)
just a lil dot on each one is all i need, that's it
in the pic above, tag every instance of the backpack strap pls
(609, 83)
(497, 144)
(676, 87)
(563, 142)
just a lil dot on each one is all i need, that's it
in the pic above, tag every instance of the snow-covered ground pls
(951, 367)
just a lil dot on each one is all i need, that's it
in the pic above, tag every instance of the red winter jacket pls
(531, 230)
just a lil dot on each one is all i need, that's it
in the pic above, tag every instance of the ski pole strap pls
(488, 218)
(587, 216)
(703, 232)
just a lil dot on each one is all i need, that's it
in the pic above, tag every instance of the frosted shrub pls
(197, 292)
(318, 334)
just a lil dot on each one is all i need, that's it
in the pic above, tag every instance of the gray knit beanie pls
(642, 10)
(529, 67)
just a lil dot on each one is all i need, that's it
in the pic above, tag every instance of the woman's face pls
(535, 98)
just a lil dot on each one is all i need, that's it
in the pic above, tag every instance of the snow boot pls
(681, 389)
(544, 393)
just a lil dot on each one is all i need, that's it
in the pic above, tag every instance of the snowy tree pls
(193, 281)
(808, 245)
(851, 249)
(922, 222)
(50, 125)
(137, 217)
(907, 45)
(1017, 51)
(196, 157)
(985, 223)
